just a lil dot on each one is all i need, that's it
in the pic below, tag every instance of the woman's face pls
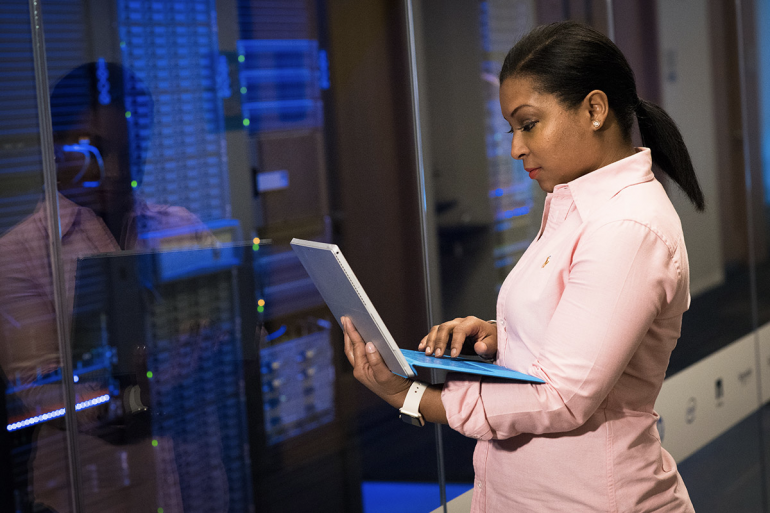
(555, 145)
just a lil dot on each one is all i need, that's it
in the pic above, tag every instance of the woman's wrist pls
(396, 399)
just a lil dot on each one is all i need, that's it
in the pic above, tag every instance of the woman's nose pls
(518, 150)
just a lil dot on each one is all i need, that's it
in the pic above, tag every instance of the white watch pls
(410, 411)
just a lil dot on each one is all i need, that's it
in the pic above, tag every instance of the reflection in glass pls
(100, 212)
(206, 374)
(160, 333)
(31, 391)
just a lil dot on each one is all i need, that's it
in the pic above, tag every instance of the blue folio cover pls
(447, 364)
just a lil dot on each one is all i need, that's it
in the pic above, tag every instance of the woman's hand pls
(482, 334)
(370, 369)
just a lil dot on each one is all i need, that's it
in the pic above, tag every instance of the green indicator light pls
(243, 90)
(122, 44)
(241, 58)
(154, 443)
(160, 510)
(149, 374)
(255, 247)
(134, 184)
(246, 122)
(128, 114)
(260, 309)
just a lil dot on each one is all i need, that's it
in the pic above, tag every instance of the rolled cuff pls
(464, 407)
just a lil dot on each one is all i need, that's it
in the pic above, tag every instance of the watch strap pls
(411, 407)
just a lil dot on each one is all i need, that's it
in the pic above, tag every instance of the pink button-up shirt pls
(594, 307)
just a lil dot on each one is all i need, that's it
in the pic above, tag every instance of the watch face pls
(415, 421)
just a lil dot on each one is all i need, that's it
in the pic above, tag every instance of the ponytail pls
(660, 134)
(569, 60)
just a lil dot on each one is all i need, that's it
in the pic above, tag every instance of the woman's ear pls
(597, 107)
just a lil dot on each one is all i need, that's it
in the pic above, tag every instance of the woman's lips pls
(532, 171)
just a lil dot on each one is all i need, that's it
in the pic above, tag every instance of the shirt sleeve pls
(622, 276)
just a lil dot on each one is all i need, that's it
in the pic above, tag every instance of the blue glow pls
(384, 497)
(516, 212)
(86, 149)
(57, 413)
(103, 82)
(763, 48)
(277, 333)
(323, 69)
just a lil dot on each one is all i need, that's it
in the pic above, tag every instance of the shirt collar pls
(592, 190)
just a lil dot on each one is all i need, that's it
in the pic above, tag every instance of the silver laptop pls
(345, 297)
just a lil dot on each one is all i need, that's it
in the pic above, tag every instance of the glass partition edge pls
(54, 242)
(752, 260)
(422, 195)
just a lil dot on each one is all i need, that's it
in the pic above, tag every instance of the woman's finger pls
(443, 334)
(348, 343)
(429, 340)
(356, 342)
(458, 339)
(422, 343)
(484, 350)
(380, 370)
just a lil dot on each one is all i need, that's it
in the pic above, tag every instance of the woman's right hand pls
(458, 332)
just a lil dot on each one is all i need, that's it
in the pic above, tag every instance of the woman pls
(594, 306)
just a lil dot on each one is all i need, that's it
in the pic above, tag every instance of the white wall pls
(688, 97)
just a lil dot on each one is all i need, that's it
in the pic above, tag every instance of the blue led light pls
(57, 413)
(277, 333)
(103, 82)
(323, 69)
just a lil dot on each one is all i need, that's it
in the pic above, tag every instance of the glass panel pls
(193, 141)
(719, 337)
(685, 58)
(33, 444)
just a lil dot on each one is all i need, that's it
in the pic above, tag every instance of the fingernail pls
(454, 351)
(370, 347)
(438, 352)
(428, 350)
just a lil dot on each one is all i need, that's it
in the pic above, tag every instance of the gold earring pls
(597, 124)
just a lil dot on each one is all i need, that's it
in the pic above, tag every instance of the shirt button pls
(478, 484)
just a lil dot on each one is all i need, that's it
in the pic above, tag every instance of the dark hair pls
(569, 60)
(96, 84)
(102, 84)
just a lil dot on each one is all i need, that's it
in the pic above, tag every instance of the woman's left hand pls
(370, 369)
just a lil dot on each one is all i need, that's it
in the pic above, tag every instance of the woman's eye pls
(526, 127)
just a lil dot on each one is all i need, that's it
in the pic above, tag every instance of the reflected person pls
(100, 167)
